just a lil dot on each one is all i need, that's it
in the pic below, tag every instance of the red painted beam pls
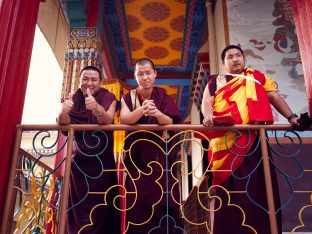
(92, 13)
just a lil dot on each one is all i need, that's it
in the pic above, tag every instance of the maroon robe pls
(256, 217)
(93, 154)
(148, 191)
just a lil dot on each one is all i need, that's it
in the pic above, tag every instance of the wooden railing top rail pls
(154, 127)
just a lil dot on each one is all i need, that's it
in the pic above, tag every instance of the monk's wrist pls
(63, 118)
(141, 110)
(158, 113)
(291, 116)
(99, 110)
(64, 113)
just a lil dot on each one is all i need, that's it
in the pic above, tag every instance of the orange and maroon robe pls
(235, 158)
(246, 101)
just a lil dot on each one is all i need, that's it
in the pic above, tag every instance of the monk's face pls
(90, 79)
(234, 61)
(145, 76)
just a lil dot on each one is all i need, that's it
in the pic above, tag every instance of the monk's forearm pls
(208, 100)
(279, 104)
(63, 118)
(164, 119)
(102, 119)
(206, 108)
(102, 116)
(132, 117)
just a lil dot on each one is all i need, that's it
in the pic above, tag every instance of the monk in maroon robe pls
(93, 159)
(152, 188)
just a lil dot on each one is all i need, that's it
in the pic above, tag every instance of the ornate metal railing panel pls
(152, 172)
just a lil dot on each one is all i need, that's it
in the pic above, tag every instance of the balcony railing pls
(39, 184)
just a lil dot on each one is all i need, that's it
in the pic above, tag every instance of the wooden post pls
(9, 208)
(213, 57)
(66, 179)
(268, 181)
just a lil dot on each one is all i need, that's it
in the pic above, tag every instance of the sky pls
(44, 86)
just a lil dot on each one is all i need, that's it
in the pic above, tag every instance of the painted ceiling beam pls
(75, 12)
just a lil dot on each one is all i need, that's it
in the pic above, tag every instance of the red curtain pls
(303, 21)
(18, 19)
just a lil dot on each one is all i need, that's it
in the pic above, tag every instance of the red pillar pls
(303, 21)
(18, 19)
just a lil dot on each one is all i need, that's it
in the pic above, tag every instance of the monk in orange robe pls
(244, 95)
